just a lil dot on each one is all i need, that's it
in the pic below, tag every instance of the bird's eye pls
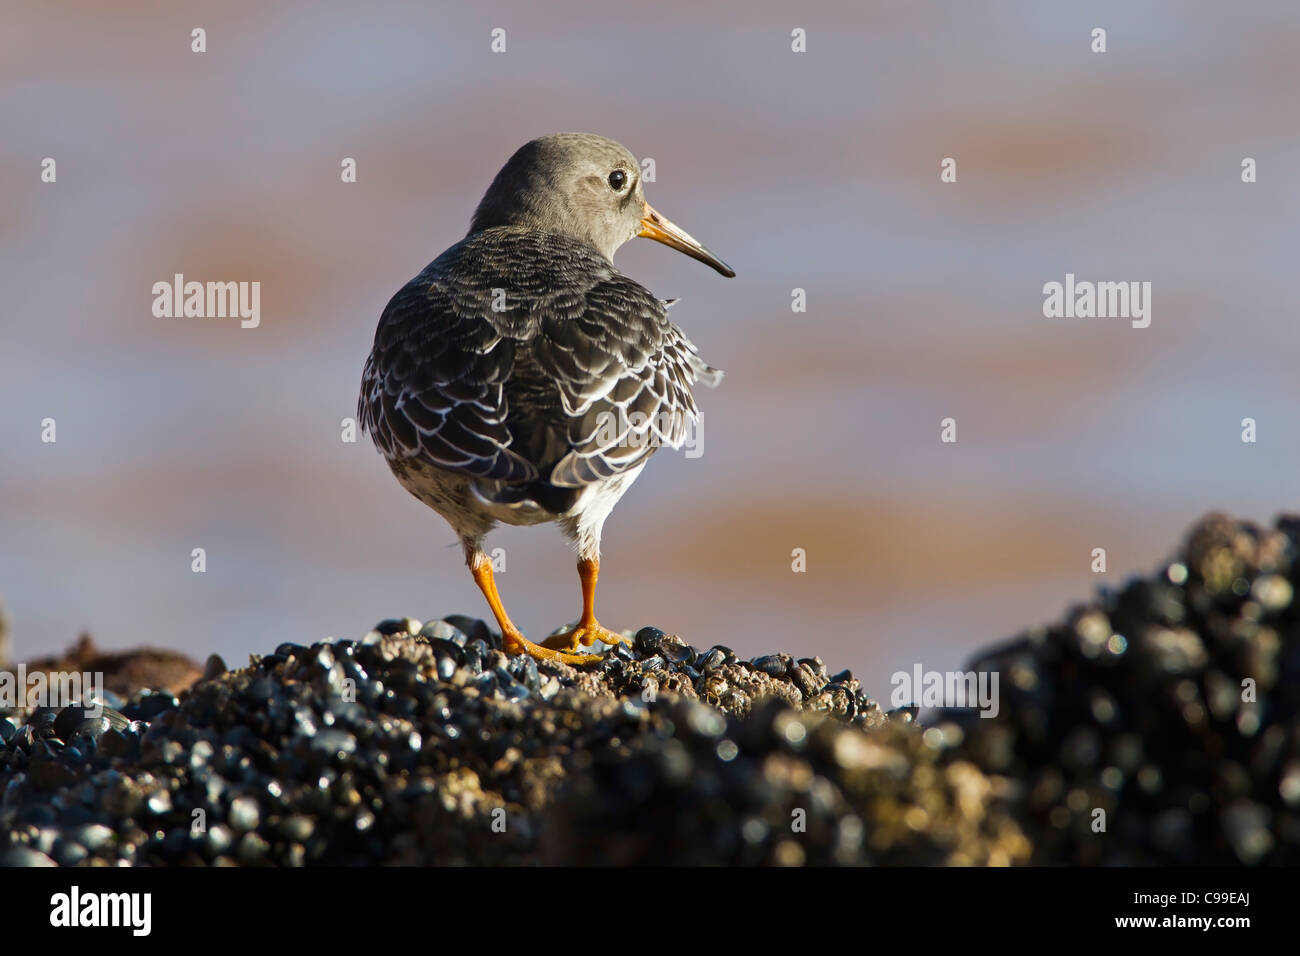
(617, 180)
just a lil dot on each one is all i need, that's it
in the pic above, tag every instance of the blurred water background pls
(817, 170)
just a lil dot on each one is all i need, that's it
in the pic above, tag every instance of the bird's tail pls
(534, 496)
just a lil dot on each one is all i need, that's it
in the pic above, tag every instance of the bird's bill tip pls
(661, 229)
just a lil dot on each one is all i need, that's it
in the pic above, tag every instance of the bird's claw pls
(583, 635)
(516, 643)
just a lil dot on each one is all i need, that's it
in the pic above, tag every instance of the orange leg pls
(515, 642)
(589, 630)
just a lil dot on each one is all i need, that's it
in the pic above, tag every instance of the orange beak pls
(661, 229)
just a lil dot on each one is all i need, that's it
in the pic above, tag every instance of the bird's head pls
(584, 186)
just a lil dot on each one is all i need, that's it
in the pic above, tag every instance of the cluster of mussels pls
(428, 744)
(1158, 724)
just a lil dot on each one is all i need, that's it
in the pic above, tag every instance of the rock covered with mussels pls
(1167, 709)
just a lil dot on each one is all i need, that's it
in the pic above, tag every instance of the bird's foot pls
(516, 643)
(584, 635)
